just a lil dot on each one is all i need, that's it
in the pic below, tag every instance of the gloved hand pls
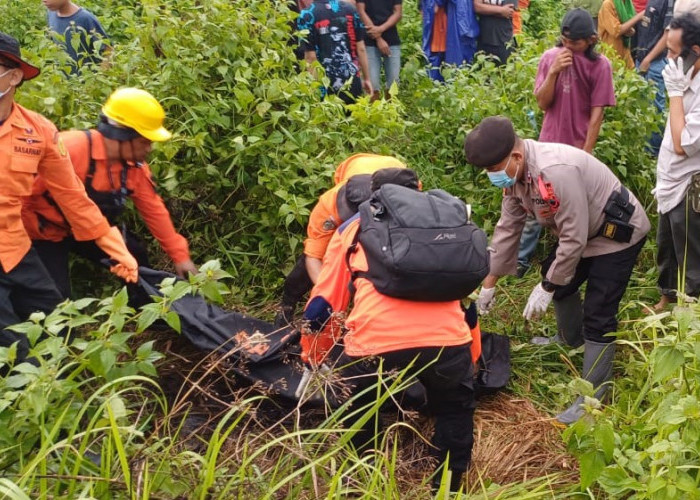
(113, 245)
(676, 81)
(484, 302)
(538, 302)
(314, 377)
(182, 269)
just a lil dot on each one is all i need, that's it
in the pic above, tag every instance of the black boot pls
(569, 314)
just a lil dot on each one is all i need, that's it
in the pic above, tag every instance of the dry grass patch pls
(515, 443)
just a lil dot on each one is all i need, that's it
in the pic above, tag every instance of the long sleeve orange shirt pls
(29, 146)
(138, 181)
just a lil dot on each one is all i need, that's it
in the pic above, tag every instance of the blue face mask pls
(501, 179)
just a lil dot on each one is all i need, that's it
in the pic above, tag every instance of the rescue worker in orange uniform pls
(334, 207)
(31, 145)
(430, 337)
(111, 162)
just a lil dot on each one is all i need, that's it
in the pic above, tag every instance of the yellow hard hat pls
(139, 110)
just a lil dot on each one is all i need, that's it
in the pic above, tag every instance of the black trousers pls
(607, 276)
(55, 256)
(678, 242)
(26, 289)
(447, 375)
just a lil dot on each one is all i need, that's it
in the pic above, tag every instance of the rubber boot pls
(597, 369)
(569, 314)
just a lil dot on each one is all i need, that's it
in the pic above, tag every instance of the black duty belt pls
(618, 212)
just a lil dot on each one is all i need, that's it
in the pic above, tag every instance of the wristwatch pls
(548, 286)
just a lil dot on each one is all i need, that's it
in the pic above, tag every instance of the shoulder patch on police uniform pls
(329, 225)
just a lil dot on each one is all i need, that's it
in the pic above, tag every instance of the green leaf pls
(667, 359)
(615, 481)
(17, 381)
(107, 360)
(149, 314)
(592, 464)
(144, 350)
(173, 320)
(117, 406)
(605, 439)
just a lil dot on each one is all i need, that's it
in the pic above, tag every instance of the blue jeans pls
(654, 74)
(392, 66)
(528, 241)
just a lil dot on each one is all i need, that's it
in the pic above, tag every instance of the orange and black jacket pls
(377, 323)
(29, 146)
(103, 180)
(326, 217)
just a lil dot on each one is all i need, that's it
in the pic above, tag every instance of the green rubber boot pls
(597, 369)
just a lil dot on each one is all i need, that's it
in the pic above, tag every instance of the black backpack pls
(420, 246)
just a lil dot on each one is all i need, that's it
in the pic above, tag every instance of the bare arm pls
(596, 120)
(489, 281)
(310, 58)
(393, 20)
(313, 267)
(625, 27)
(676, 119)
(485, 9)
(364, 66)
(361, 9)
(545, 94)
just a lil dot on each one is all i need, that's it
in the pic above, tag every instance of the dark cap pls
(577, 24)
(9, 50)
(402, 176)
(490, 141)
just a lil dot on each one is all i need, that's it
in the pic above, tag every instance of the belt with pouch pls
(618, 212)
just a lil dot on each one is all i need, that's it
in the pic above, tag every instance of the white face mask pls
(4, 92)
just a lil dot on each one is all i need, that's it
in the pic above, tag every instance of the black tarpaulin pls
(258, 352)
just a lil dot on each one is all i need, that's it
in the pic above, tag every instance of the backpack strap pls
(353, 274)
(91, 162)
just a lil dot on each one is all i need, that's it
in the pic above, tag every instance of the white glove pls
(485, 301)
(538, 302)
(676, 82)
(316, 377)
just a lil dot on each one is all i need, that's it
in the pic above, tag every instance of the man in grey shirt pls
(677, 188)
(600, 225)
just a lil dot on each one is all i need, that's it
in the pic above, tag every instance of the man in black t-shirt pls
(495, 27)
(383, 44)
(336, 40)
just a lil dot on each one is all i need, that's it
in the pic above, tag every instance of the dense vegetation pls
(254, 148)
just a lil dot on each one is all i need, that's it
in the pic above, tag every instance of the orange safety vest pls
(29, 146)
(45, 222)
